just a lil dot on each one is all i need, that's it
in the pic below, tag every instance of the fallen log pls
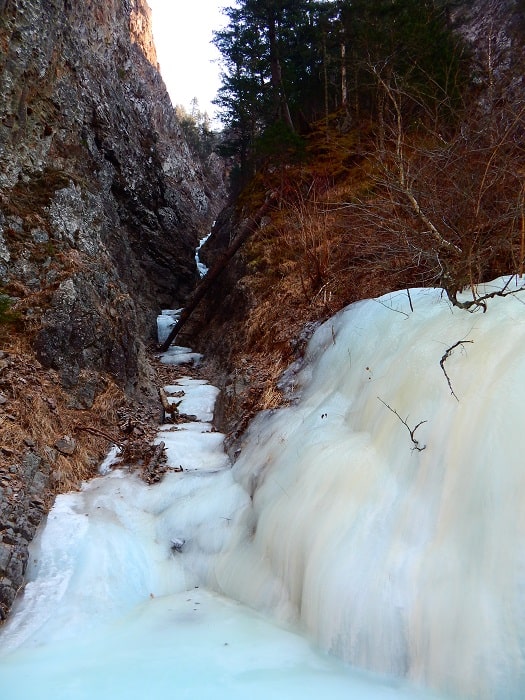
(202, 289)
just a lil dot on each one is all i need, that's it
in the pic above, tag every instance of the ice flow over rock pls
(402, 561)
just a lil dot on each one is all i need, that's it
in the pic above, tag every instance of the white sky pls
(189, 65)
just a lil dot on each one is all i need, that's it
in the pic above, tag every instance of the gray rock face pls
(494, 31)
(101, 208)
(19, 521)
(92, 158)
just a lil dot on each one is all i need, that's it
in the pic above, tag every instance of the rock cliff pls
(94, 175)
(101, 207)
(494, 30)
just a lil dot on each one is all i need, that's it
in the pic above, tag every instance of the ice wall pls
(400, 560)
(404, 561)
(121, 596)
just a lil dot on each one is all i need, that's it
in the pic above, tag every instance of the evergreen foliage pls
(7, 315)
(197, 129)
(295, 61)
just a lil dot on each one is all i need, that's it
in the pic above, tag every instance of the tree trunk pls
(277, 75)
(203, 288)
(344, 88)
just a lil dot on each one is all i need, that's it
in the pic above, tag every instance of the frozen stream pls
(122, 597)
(331, 533)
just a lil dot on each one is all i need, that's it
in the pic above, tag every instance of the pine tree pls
(288, 62)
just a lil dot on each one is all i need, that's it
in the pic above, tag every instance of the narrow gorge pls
(102, 206)
(318, 487)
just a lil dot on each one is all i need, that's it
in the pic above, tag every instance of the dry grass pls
(37, 414)
(345, 230)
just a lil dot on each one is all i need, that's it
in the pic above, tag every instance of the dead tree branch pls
(479, 302)
(170, 409)
(445, 357)
(100, 433)
(411, 431)
(402, 175)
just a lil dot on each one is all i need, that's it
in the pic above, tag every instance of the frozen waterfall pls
(331, 528)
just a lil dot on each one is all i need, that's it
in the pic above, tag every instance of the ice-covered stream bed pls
(331, 533)
(122, 598)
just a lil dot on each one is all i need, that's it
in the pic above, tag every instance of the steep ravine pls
(101, 207)
(255, 324)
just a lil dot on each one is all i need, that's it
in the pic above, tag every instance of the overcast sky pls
(188, 62)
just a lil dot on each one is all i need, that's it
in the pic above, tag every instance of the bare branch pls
(411, 431)
(100, 433)
(391, 308)
(410, 300)
(445, 357)
(479, 302)
(392, 95)
(502, 141)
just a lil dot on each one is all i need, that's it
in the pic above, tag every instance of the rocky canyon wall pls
(101, 208)
(101, 201)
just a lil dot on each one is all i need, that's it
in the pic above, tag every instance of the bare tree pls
(451, 192)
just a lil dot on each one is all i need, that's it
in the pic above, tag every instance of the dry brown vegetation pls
(366, 213)
(36, 413)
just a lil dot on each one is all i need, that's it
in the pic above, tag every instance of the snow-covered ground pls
(394, 547)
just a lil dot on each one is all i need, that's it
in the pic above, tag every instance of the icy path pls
(195, 646)
(122, 598)
(193, 446)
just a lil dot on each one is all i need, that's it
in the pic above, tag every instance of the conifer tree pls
(288, 62)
